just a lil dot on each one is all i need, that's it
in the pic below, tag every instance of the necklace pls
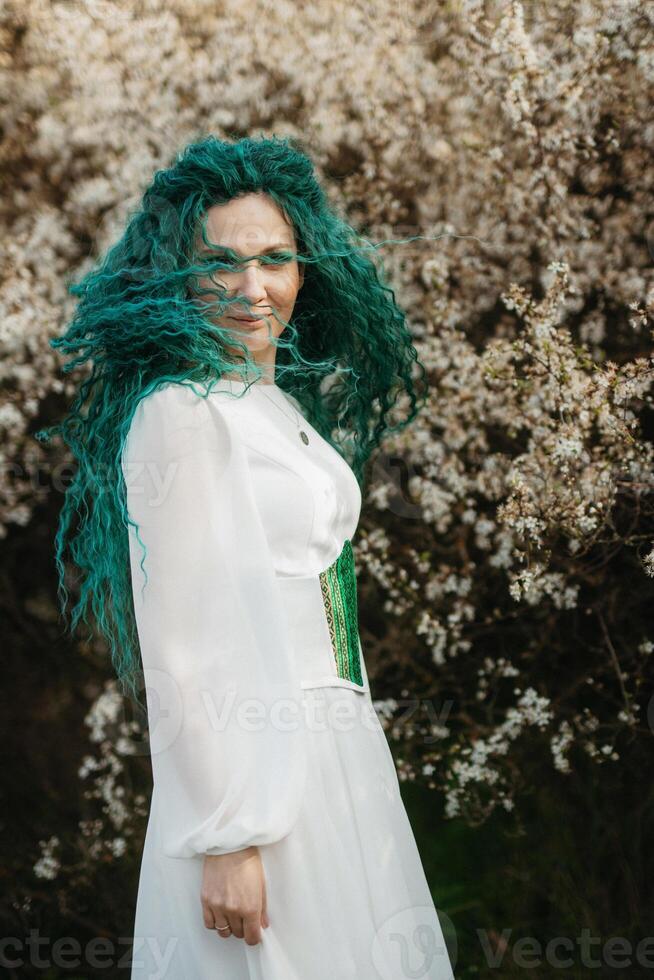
(303, 436)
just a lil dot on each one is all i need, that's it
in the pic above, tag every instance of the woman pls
(232, 331)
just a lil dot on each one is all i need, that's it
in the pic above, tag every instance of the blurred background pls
(506, 548)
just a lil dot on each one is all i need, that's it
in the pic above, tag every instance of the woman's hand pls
(234, 892)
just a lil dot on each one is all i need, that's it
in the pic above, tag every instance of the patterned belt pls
(339, 594)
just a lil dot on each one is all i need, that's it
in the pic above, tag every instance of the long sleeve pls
(224, 700)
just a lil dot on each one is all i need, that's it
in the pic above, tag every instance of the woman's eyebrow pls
(266, 251)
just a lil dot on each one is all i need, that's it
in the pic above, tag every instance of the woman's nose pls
(250, 283)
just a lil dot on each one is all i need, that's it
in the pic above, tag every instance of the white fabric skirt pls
(346, 890)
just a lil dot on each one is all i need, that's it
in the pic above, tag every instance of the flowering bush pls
(528, 467)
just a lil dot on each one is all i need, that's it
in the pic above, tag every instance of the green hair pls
(346, 354)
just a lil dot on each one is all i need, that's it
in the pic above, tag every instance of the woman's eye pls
(282, 256)
(224, 260)
(272, 260)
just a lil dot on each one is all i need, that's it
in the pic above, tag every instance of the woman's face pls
(252, 225)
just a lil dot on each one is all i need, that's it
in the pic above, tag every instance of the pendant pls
(304, 437)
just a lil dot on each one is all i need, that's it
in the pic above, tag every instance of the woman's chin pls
(254, 341)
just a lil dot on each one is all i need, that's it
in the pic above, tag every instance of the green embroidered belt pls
(339, 595)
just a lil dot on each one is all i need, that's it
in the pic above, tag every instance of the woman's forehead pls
(247, 224)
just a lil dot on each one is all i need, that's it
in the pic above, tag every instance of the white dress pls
(262, 729)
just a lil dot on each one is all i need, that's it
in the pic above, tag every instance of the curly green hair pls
(346, 354)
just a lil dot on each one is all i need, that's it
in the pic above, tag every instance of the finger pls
(207, 917)
(236, 922)
(252, 929)
(265, 921)
(220, 929)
